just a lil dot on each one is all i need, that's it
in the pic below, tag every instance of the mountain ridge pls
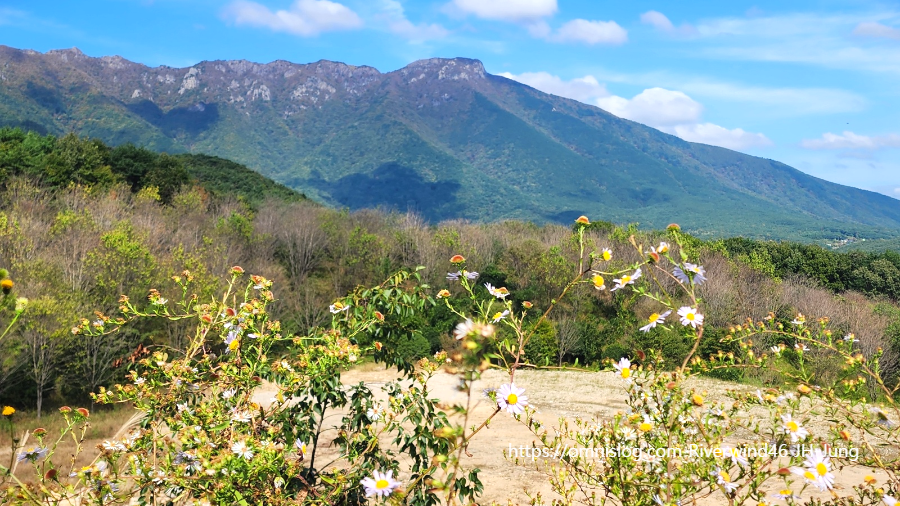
(440, 136)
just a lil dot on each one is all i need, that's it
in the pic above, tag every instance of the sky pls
(813, 84)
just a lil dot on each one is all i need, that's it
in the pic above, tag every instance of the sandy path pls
(554, 394)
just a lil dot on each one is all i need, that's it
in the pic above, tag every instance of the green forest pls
(83, 223)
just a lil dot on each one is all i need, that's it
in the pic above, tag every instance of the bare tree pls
(42, 339)
(568, 337)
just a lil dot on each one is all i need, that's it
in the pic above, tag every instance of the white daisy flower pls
(228, 394)
(654, 320)
(606, 254)
(819, 465)
(793, 428)
(890, 501)
(690, 316)
(850, 338)
(499, 316)
(338, 307)
(512, 398)
(626, 280)
(241, 450)
(623, 368)
(301, 447)
(724, 481)
(785, 494)
(373, 414)
(735, 454)
(463, 329)
(241, 416)
(380, 484)
(500, 293)
(629, 434)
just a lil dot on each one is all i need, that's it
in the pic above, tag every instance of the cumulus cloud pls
(306, 18)
(850, 140)
(671, 111)
(656, 107)
(395, 18)
(584, 89)
(709, 133)
(659, 21)
(591, 32)
(506, 10)
(878, 30)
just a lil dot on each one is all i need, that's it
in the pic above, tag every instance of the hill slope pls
(440, 136)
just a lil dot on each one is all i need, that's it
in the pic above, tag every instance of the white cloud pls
(395, 18)
(659, 21)
(584, 89)
(671, 111)
(850, 140)
(656, 107)
(507, 10)
(878, 30)
(306, 18)
(591, 32)
(709, 133)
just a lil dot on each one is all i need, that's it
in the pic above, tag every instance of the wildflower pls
(689, 316)
(114, 446)
(489, 393)
(697, 400)
(337, 307)
(527, 305)
(454, 276)
(379, 484)
(463, 329)
(470, 275)
(724, 481)
(241, 450)
(21, 304)
(881, 418)
(654, 320)
(850, 338)
(7, 285)
(663, 248)
(737, 458)
(373, 414)
(228, 394)
(626, 280)
(698, 273)
(646, 425)
(598, 282)
(33, 454)
(818, 464)
(232, 341)
(499, 316)
(793, 428)
(776, 350)
(511, 398)
(583, 220)
(890, 501)
(606, 254)
(500, 293)
(443, 293)
(799, 320)
(8, 411)
(785, 495)
(160, 301)
(457, 259)
(801, 347)
(184, 408)
(623, 368)
(301, 447)
(629, 434)
(241, 416)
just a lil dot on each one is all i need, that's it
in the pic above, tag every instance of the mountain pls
(440, 136)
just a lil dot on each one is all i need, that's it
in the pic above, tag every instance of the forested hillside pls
(82, 224)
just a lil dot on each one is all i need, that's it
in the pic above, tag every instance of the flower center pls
(792, 426)
(626, 279)
(809, 476)
(653, 317)
(512, 399)
(645, 427)
(497, 316)
(690, 316)
(821, 469)
(381, 484)
(626, 372)
(724, 476)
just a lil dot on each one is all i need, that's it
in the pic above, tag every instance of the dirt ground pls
(554, 394)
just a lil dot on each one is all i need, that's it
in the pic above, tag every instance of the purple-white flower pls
(379, 484)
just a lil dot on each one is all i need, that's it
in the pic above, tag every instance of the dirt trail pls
(554, 394)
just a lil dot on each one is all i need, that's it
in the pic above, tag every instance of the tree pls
(42, 335)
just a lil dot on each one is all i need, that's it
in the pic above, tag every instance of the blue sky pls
(812, 84)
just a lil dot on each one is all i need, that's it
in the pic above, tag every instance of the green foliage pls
(542, 348)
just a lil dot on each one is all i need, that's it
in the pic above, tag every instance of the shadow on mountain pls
(393, 186)
(180, 120)
(26, 125)
(48, 98)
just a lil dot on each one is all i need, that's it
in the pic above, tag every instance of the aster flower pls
(654, 320)
(241, 416)
(463, 329)
(690, 316)
(646, 425)
(723, 479)
(500, 293)
(793, 428)
(228, 394)
(489, 393)
(454, 276)
(373, 414)
(623, 368)
(33, 454)
(626, 280)
(697, 271)
(785, 495)
(629, 434)
(512, 398)
(599, 282)
(606, 254)
(850, 338)
(737, 458)
(890, 501)
(301, 447)
(818, 466)
(241, 450)
(499, 316)
(379, 484)
(663, 248)
(338, 307)
(470, 275)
